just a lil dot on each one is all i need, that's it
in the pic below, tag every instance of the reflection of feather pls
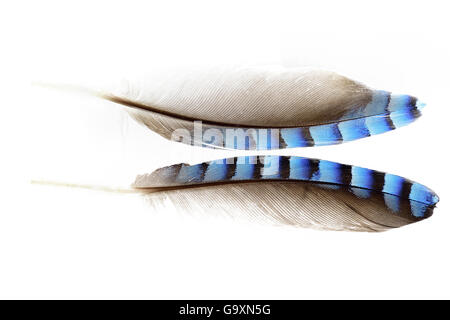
(301, 107)
(293, 190)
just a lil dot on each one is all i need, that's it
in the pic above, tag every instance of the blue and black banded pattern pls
(384, 113)
(364, 183)
(381, 115)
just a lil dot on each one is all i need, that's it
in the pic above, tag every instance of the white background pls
(59, 242)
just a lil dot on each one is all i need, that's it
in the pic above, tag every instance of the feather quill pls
(292, 191)
(273, 108)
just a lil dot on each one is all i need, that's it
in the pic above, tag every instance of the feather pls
(263, 108)
(292, 190)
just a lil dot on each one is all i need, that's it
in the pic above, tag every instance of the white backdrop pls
(58, 242)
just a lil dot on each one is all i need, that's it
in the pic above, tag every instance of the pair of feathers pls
(273, 109)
